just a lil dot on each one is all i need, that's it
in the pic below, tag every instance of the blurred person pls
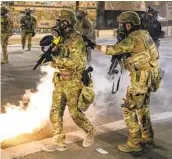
(6, 32)
(84, 27)
(149, 21)
(28, 26)
(69, 67)
(145, 78)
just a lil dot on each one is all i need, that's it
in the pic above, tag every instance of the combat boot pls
(148, 143)
(89, 139)
(23, 46)
(54, 147)
(5, 59)
(28, 49)
(128, 147)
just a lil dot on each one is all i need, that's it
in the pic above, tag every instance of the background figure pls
(142, 63)
(149, 21)
(84, 27)
(69, 66)
(28, 25)
(6, 32)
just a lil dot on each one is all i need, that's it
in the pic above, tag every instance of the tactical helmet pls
(152, 12)
(129, 17)
(66, 14)
(81, 13)
(4, 10)
(28, 11)
(86, 97)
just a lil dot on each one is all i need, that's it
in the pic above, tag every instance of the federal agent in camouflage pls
(145, 78)
(68, 85)
(28, 25)
(84, 27)
(6, 32)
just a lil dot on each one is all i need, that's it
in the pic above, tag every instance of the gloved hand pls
(101, 48)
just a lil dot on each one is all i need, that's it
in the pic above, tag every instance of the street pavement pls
(18, 76)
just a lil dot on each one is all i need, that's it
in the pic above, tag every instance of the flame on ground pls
(33, 110)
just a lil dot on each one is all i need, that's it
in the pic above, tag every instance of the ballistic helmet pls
(81, 13)
(129, 17)
(4, 10)
(28, 11)
(152, 12)
(68, 15)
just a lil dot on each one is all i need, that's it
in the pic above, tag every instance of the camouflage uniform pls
(28, 25)
(84, 27)
(145, 78)
(6, 32)
(68, 85)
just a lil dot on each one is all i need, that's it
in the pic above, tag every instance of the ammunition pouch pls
(156, 78)
(134, 101)
(137, 61)
(33, 33)
(86, 97)
(87, 93)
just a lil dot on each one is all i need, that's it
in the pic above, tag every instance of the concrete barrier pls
(105, 33)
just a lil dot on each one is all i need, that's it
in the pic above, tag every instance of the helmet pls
(81, 13)
(86, 97)
(152, 12)
(129, 17)
(28, 11)
(68, 15)
(4, 10)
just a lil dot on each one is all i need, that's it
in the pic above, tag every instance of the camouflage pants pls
(135, 109)
(24, 35)
(67, 92)
(4, 43)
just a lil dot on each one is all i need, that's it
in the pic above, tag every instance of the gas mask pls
(62, 28)
(79, 16)
(121, 32)
(27, 14)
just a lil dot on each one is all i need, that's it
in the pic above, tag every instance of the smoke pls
(106, 104)
(32, 111)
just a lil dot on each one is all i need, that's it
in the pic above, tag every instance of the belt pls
(66, 74)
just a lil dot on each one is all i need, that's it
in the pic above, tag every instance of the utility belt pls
(64, 75)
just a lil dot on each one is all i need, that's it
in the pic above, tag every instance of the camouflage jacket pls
(6, 25)
(84, 27)
(75, 57)
(28, 22)
(142, 49)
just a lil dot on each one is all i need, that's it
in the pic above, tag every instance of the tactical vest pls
(79, 27)
(144, 55)
(28, 22)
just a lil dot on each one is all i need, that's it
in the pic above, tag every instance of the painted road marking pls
(33, 147)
